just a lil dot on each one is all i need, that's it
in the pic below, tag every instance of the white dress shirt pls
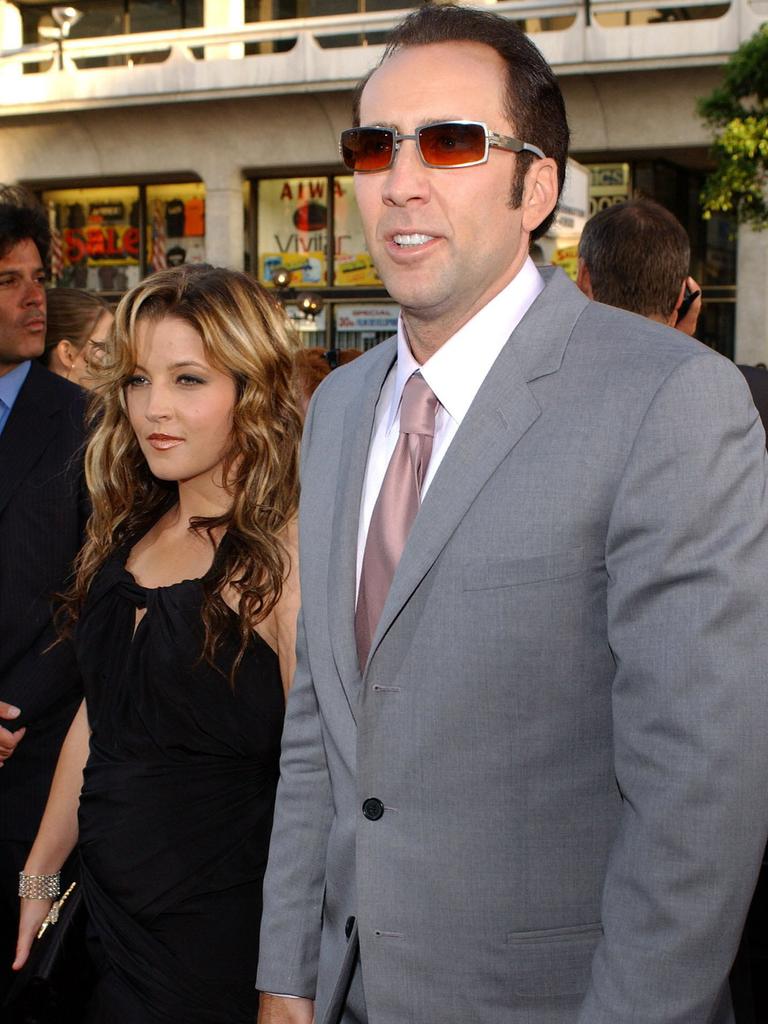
(455, 373)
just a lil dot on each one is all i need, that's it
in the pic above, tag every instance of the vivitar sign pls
(573, 209)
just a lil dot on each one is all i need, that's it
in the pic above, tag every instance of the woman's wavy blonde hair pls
(244, 334)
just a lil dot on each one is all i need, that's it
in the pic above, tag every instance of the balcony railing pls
(326, 53)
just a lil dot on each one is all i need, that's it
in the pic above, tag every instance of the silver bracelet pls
(39, 887)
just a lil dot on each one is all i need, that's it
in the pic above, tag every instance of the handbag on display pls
(54, 985)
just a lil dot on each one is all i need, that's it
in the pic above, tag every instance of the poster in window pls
(353, 265)
(293, 229)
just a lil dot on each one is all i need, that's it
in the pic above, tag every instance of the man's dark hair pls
(22, 217)
(533, 104)
(637, 254)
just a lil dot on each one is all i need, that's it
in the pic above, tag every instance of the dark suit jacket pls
(43, 510)
(757, 378)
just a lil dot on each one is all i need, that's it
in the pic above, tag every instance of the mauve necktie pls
(395, 508)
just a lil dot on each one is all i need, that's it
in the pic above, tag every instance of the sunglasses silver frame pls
(492, 139)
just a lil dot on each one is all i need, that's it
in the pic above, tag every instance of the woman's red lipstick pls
(162, 442)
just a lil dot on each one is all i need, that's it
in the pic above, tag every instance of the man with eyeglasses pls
(524, 762)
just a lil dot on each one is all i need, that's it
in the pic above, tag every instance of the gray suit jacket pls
(565, 709)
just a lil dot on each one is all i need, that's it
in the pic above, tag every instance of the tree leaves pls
(737, 111)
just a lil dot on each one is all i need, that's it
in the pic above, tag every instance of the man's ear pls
(583, 280)
(540, 193)
(679, 302)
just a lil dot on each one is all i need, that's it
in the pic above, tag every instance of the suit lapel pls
(503, 411)
(358, 425)
(28, 431)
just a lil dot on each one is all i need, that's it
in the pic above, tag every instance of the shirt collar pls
(11, 383)
(457, 370)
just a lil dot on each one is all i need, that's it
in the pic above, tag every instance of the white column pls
(224, 14)
(752, 297)
(224, 234)
(10, 39)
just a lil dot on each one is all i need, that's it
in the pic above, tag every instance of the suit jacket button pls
(373, 809)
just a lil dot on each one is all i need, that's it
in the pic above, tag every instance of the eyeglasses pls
(444, 144)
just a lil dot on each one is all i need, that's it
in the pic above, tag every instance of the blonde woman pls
(77, 325)
(183, 615)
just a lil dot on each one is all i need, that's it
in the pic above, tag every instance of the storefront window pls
(609, 184)
(293, 230)
(105, 239)
(308, 242)
(296, 226)
(175, 224)
(312, 330)
(364, 324)
(97, 237)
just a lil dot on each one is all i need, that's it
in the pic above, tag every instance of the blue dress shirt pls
(10, 386)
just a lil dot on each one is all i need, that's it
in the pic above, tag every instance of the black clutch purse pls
(54, 985)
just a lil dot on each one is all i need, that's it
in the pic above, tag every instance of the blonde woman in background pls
(78, 324)
(183, 617)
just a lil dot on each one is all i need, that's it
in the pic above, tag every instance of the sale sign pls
(108, 246)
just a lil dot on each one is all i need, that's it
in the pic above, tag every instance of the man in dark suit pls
(42, 516)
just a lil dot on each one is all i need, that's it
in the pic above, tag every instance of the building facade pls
(164, 132)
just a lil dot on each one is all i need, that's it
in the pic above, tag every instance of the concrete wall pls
(630, 111)
(752, 297)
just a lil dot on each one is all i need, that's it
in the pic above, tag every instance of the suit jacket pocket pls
(514, 572)
(554, 961)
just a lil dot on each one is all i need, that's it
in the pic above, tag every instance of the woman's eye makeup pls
(183, 379)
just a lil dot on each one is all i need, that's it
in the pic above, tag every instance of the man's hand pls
(285, 1010)
(687, 323)
(9, 740)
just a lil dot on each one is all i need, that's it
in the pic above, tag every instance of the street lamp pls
(65, 17)
(281, 278)
(309, 304)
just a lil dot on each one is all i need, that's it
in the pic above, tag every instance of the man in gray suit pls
(531, 789)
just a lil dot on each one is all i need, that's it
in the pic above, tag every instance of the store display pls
(99, 242)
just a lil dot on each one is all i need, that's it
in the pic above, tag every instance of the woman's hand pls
(31, 917)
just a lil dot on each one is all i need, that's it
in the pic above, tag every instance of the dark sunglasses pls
(444, 144)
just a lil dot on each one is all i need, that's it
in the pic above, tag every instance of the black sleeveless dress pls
(176, 807)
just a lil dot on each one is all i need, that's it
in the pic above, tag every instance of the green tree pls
(737, 111)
